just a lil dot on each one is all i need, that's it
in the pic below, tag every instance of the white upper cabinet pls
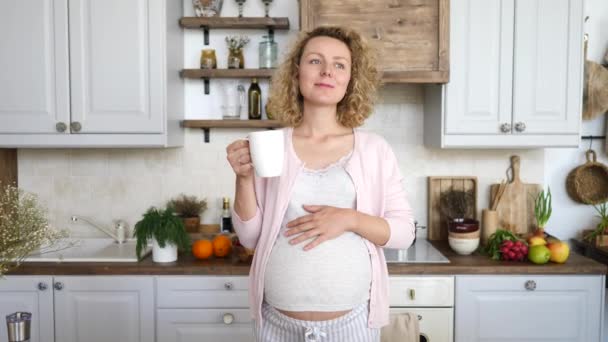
(34, 81)
(115, 83)
(516, 72)
(90, 73)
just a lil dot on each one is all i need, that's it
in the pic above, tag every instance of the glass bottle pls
(226, 219)
(255, 100)
(268, 53)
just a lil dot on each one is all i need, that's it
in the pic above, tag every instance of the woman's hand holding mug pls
(239, 157)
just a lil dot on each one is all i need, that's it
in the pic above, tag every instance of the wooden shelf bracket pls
(206, 84)
(205, 34)
(206, 134)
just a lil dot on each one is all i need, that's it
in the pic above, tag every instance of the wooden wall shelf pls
(231, 123)
(206, 125)
(226, 73)
(235, 23)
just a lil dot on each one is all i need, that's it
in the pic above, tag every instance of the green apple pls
(539, 254)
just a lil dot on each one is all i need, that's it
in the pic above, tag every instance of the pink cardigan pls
(377, 179)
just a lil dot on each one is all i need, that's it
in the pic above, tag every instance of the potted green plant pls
(542, 211)
(166, 230)
(189, 208)
(599, 235)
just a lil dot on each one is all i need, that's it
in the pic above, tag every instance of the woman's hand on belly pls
(323, 223)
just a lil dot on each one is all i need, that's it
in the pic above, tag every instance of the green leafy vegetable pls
(542, 208)
(492, 248)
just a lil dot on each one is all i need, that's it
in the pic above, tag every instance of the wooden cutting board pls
(516, 207)
(437, 222)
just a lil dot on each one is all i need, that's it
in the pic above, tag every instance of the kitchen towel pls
(402, 327)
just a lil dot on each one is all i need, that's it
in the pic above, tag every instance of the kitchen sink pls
(420, 252)
(88, 250)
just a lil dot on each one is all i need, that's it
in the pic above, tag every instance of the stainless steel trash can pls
(18, 326)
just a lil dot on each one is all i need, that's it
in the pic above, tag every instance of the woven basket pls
(588, 183)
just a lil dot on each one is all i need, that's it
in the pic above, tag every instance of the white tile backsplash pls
(105, 185)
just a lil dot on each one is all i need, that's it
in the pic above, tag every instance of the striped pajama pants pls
(352, 327)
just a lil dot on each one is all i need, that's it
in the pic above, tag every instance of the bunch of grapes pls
(513, 250)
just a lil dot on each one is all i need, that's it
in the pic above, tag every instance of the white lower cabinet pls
(529, 308)
(203, 308)
(196, 325)
(32, 294)
(431, 299)
(82, 308)
(104, 308)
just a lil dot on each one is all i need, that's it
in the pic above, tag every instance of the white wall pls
(110, 184)
(569, 217)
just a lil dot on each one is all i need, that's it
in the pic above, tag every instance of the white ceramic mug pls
(266, 149)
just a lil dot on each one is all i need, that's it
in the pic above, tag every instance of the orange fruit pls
(222, 245)
(202, 249)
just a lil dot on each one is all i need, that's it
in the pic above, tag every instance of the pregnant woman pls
(319, 229)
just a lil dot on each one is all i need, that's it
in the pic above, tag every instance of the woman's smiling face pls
(324, 71)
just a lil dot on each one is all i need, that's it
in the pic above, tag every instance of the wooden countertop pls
(187, 265)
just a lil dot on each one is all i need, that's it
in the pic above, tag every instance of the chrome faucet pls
(119, 234)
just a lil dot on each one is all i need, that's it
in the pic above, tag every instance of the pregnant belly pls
(319, 284)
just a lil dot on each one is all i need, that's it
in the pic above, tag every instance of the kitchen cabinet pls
(32, 294)
(100, 309)
(516, 77)
(410, 36)
(84, 73)
(529, 308)
(83, 308)
(431, 299)
(203, 308)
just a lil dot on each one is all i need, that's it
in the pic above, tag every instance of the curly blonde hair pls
(285, 100)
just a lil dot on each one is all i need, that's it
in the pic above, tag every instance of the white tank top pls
(333, 276)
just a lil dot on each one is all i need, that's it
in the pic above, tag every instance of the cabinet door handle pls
(420, 317)
(61, 127)
(520, 127)
(42, 286)
(228, 318)
(505, 128)
(75, 126)
(412, 294)
(228, 285)
(58, 286)
(530, 285)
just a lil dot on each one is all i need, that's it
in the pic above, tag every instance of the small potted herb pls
(458, 208)
(542, 211)
(189, 209)
(599, 235)
(166, 230)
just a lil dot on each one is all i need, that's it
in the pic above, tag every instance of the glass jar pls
(236, 60)
(268, 53)
(208, 60)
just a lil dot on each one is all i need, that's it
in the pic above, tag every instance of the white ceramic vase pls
(164, 254)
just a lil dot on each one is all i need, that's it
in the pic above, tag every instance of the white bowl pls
(463, 246)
